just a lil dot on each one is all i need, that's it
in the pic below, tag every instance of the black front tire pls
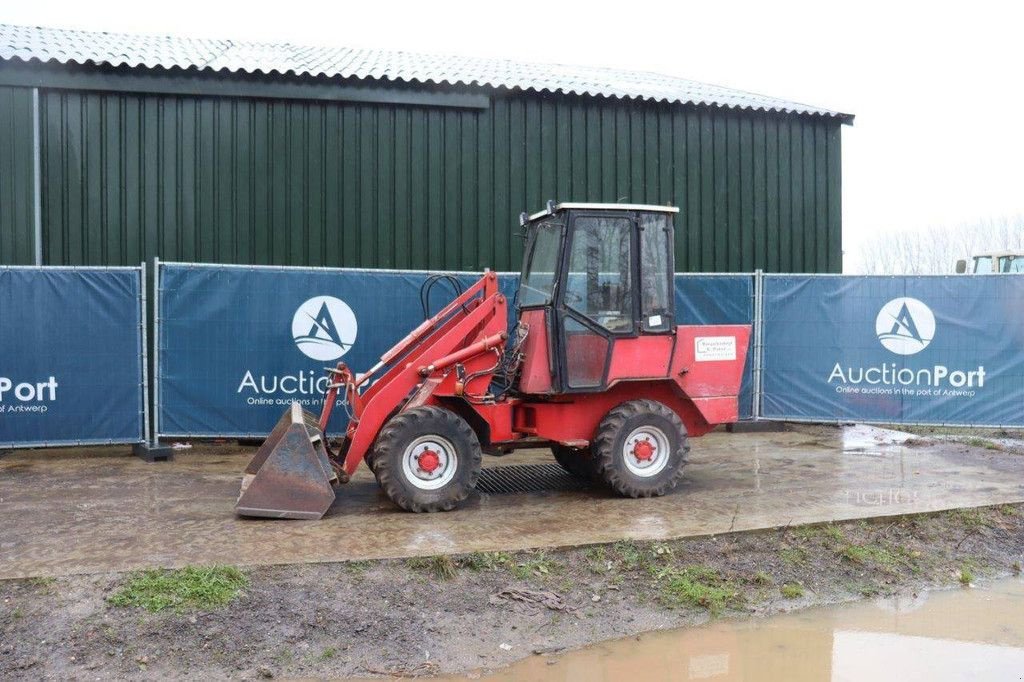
(431, 425)
(609, 448)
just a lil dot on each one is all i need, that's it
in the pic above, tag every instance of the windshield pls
(538, 280)
(982, 265)
(1011, 264)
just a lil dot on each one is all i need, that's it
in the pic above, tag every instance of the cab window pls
(538, 280)
(599, 282)
(1011, 264)
(656, 284)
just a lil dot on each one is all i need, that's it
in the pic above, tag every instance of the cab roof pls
(553, 208)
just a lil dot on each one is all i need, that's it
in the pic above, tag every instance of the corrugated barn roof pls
(122, 49)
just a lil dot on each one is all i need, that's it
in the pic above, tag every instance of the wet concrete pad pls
(81, 511)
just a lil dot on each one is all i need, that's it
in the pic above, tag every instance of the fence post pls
(143, 323)
(758, 333)
(156, 350)
(151, 450)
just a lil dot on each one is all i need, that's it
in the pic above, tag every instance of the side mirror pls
(961, 266)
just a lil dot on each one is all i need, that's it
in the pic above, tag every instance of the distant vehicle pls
(992, 263)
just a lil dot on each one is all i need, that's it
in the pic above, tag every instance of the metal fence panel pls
(927, 349)
(72, 371)
(237, 344)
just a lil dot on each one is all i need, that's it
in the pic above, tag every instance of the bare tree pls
(936, 250)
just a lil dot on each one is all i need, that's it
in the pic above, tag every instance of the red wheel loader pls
(595, 368)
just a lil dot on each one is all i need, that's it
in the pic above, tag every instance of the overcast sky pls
(938, 94)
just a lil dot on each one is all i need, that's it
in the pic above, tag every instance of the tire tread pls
(392, 440)
(604, 449)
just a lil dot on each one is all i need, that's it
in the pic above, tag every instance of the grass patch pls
(969, 518)
(834, 533)
(477, 561)
(1008, 510)
(356, 568)
(42, 584)
(192, 587)
(762, 578)
(661, 551)
(828, 532)
(858, 554)
(484, 561)
(328, 653)
(634, 556)
(966, 576)
(890, 559)
(794, 556)
(597, 560)
(699, 586)
(792, 590)
(982, 443)
(806, 533)
(538, 566)
(630, 554)
(440, 566)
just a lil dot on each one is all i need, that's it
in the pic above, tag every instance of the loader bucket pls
(290, 477)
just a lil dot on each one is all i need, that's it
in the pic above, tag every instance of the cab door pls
(597, 297)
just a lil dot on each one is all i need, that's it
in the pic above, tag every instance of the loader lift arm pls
(470, 326)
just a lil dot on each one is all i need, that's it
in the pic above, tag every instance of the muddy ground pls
(994, 439)
(474, 612)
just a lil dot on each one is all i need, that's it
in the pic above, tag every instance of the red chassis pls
(450, 359)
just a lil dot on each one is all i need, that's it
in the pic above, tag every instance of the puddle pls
(866, 438)
(951, 635)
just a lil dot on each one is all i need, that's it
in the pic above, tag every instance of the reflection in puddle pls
(955, 635)
(868, 439)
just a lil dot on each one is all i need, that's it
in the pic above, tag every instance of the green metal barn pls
(116, 148)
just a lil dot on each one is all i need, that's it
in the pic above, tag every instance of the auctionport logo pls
(905, 326)
(324, 328)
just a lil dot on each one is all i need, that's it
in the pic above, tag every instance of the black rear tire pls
(577, 461)
(665, 436)
(454, 467)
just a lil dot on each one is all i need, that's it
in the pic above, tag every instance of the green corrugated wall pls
(127, 177)
(17, 214)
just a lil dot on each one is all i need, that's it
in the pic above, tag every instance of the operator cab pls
(993, 263)
(595, 278)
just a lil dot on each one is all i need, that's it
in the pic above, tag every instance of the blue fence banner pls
(927, 349)
(720, 299)
(72, 366)
(237, 344)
